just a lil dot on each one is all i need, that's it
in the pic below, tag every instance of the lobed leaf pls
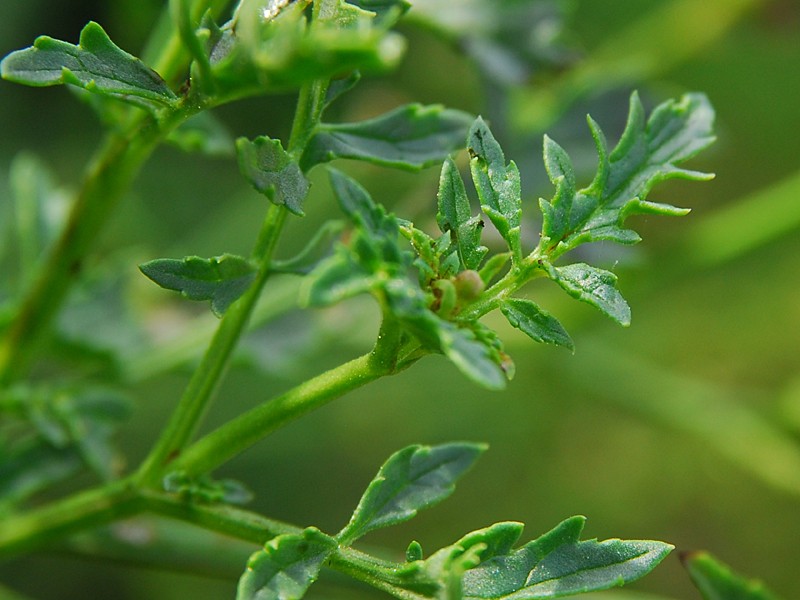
(647, 153)
(222, 279)
(716, 581)
(594, 286)
(95, 64)
(535, 323)
(498, 185)
(455, 216)
(559, 564)
(410, 137)
(286, 567)
(273, 172)
(414, 478)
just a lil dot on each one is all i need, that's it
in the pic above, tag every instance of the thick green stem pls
(198, 394)
(235, 436)
(90, 508)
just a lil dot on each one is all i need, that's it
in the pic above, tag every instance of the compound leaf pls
(222, 279)
(273, 172)
(647, 153)
(410, 137)
(286, 567)
(95, 64)
(716, 581)
(536, 323)
(498, 184)
(412, 479)
(559, 564)
(455, 216)
(594, 286)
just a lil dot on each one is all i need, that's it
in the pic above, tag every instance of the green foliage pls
(222, 279)
(412, 479)
(96, 64)
(716, 581)
(432, 289)
(286, 567)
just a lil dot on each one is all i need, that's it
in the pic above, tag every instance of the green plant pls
(432, 290)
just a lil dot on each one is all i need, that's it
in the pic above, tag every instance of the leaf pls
(559, 564)
(647, 153)
(335, 279)
(594, 286)
(498, 185)
(205, 134)
(204, 489)
(339, 87)
(317, 249)
(222, 279)
(386, 12)
(410, 137)
(716, 581)
(536, 323)
(286, 567)
(273, 172)
(413, 478)
(96, 64)
(455, 216)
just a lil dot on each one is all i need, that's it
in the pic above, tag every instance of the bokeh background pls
(684, 427)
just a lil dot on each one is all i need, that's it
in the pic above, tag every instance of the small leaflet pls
(455, 216)
(412, 479)
(537, 324)
(286, 567)
(222, 279)
(498, 185)
(594, 286)
(95, 64)
(273, 172)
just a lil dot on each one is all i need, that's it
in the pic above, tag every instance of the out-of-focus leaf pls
(716, 581)
(412, 479)
(222, 279)
(208, 490)
(273, 172)
(317, 249)
(96, 64)
(205, 134)
(286, 567)
(410, 137)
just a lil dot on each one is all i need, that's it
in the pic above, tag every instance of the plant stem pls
(206, 378)
(90, 508)
(237, 435)
(197, 397)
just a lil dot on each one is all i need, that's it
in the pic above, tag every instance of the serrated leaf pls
(222, 279)
(594, 286)
(559, 564)
(498, 184)
(647, 153)
(454, 215)
(536, 323)
(410, 137)
(286, 567)
(414, 478)
(716, 581)
(273, 172)
(95, 64)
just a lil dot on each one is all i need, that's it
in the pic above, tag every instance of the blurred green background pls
(684, 427)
